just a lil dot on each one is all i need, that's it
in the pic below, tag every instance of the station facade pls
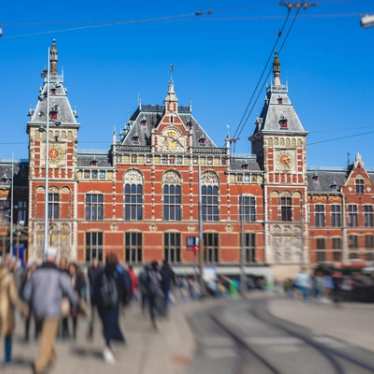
(163, 182)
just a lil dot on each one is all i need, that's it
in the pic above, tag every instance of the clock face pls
(54, 154)
(285, 160)
(171, 141)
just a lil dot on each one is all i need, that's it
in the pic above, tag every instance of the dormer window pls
(244, 166)
(202, 141)
(93, 162)
(315, 177)
(360, 185)
(53, 112)
(280, 100)
(135, 139)
(53, 91)
(283, 123)
(333, 186)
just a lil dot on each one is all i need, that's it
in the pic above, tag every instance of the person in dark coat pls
(167, 280)
(153, 290)
(80, 287)
(109, 292)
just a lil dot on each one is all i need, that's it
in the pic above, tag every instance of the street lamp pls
(367, 21)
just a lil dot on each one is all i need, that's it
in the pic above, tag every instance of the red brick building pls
(163, 179)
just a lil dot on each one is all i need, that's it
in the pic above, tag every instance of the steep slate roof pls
(147, 117)
(58, 99)
(101, 159)
(278, 107)
(244, 163)
(326, 181)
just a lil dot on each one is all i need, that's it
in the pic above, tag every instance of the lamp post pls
(46, 218)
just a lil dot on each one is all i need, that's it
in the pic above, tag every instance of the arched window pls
(172, 196)
(133, 191)
(209, 196)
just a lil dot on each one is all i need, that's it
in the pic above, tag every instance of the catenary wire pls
(285, 39)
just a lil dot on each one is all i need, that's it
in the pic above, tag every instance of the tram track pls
(258, 335)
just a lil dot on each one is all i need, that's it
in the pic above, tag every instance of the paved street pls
(167, 351)
(260, 335)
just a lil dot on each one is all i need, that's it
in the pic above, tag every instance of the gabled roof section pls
(244, 164)
(60, 110)
(326, 181)
(94, 159)
(278, 115)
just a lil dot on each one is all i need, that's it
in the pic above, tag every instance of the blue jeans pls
(8, 349)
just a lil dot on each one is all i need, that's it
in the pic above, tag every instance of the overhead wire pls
(279, 35)
(263, 81)
(111, 23)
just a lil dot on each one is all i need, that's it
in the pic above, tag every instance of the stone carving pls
(209, 178)
(133, 177)
(171, 177)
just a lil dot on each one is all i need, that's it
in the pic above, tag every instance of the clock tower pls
(279, 142)
(53, 103)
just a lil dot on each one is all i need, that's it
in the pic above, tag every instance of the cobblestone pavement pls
(168, 350)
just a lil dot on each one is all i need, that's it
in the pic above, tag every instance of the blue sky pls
(328, 63)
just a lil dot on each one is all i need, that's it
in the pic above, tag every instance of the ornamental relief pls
(133, 177)
(171, 177)
(210, 178)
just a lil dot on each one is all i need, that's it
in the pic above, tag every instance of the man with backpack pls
(109, 292)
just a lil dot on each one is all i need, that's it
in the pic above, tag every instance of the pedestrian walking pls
(142, 283)
(64, 331)
(80, 287)
(93, 271)
(167, 280)
(45, 291)
(134, 282)
(154, 292)
(8, 301)
(27, 275)
(109, 292)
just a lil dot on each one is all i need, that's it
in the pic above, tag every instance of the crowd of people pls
(54, 295)
(330, 285)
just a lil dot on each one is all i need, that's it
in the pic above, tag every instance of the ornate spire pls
(53, 57)
(276, 70)
(171, 100)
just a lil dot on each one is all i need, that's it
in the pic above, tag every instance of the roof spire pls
(53, 57)
(171, 100)
(276, 70)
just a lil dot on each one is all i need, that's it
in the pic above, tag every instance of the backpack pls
(154, 283)
(109, 295)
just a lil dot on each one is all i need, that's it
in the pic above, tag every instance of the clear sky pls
(328, 62)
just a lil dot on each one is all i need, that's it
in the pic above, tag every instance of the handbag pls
(65, 307)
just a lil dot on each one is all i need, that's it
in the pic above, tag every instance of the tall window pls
(249, 247)
(172, 196)
(133, 192)
(172, 247)
(211, 248)
(94, 206)
(352, 215)
(369, 215)
(321, 249)
(209, 197)
(22, 211)
(353, 246)
(286, 208)
(94, 246)
(247, 205)
(369, 247)
(319, 215)
(53, 205)
(336, 215)
(360, 185)
(337, 249)
(133, 247)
